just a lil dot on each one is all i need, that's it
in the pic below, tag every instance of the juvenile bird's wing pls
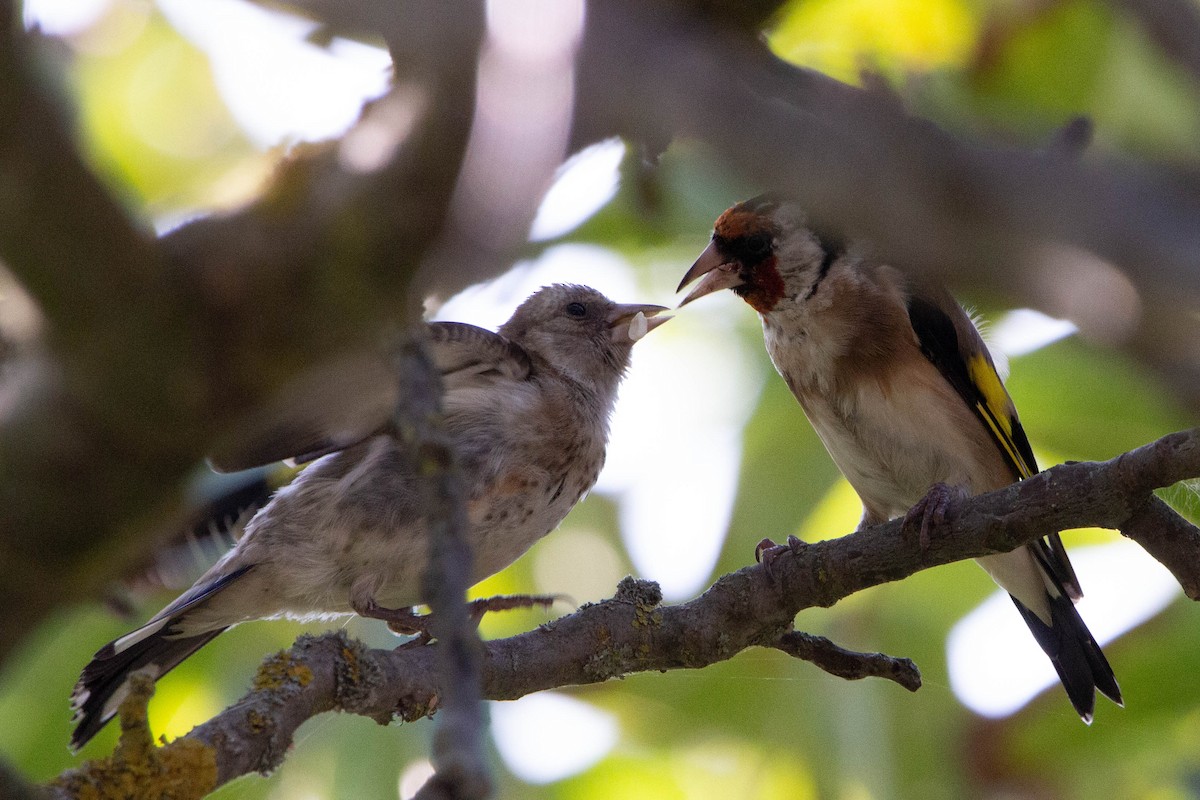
(343, 402)
(951, 342)
(471, 357)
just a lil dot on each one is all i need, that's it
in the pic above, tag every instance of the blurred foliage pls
(762, 725)
(844, 37)
(151, 119)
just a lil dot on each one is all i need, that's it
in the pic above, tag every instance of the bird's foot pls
(930, 512)
(406, 622)
(766, 551)
(403, 621)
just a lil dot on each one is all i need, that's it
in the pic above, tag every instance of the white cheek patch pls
(638, 327)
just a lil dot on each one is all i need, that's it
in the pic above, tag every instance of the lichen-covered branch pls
(139, 770)
(634, 632)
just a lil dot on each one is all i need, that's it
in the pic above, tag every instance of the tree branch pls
(633, 632)
(1170, 538)
(848, 664)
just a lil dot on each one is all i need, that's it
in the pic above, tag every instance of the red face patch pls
(763, 287)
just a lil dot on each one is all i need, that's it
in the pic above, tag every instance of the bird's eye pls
(577, 310)
(758, 245)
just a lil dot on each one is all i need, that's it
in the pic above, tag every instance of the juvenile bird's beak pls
(631, 322)
(719, 273)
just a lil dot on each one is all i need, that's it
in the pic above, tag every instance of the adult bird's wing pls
(352, 398)
(952, 343)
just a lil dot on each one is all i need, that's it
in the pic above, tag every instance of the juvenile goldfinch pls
(897, 382)
(527, 411)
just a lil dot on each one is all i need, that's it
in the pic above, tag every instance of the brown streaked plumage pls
(527, 412)
(897, 382)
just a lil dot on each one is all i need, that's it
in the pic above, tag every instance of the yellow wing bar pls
(996, 409)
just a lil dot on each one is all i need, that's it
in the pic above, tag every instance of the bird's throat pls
(765, 289)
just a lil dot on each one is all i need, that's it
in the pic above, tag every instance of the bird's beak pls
(719, 273)
(631, 322)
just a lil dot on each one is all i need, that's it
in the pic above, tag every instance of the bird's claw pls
(931, 512)
(766, 551)
(406, 622)
(403, 621)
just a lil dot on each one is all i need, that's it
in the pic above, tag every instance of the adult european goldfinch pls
(897, 382)
(527, 412)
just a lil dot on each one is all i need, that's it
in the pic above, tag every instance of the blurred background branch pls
(1174, 25)
(368, 212)
(14, 786)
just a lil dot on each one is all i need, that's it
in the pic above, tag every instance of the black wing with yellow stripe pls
(975, 379)
(952, 344)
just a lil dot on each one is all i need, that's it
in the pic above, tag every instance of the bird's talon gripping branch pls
(402, 621)
(406, 622)
(931, 511)
(766, 551)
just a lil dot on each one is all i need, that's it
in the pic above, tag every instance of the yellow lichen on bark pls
(138, 770)
(281, 668)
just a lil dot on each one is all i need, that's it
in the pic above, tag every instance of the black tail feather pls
(1080, 663)
(158, 652)
(109, 669)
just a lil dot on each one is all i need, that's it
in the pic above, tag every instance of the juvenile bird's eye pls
(577, 310)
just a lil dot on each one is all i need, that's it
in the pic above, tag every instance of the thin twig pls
(458, 753)
(849, 664)
(1170, 538)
